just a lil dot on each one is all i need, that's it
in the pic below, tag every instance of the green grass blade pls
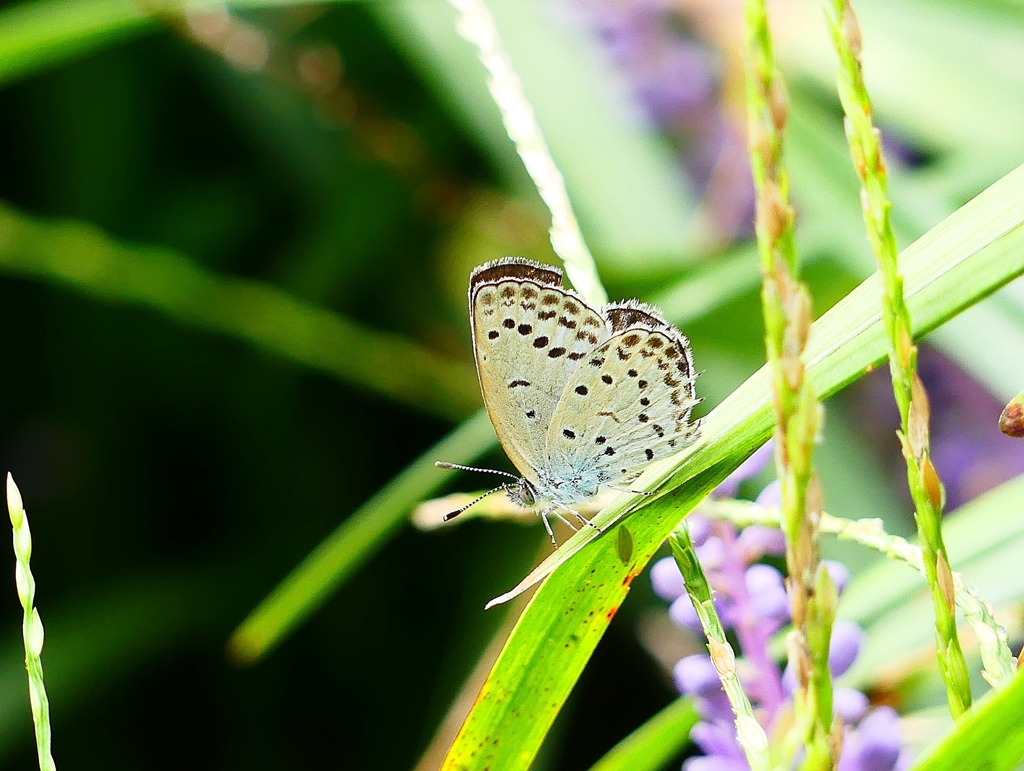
(355, 541)
(651, 746)
(990, 736)
(963, 259)
(82, 257)
(48, 33)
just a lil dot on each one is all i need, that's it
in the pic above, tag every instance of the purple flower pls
(751, 599)
(711, 553)
(715, 739)
(850, 704)
(771, 496)
(844, 646)
(716, 763)
(768, 598)
(667, 580)
(700, 529)
(683, 614)
(839, 573)
(696, 676)
(748, 469)
(756, 541)
(875, 744)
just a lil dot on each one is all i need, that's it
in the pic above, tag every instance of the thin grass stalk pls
(751, 735)
(786, 305)
(476, 24)
(32, 625)
(998, 662)
(911, 398)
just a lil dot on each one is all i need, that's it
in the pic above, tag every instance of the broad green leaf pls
(354, 542)
(989, 737)
(82, 257)
(651, 746)
(963, 259)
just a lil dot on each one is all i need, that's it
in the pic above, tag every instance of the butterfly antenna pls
(453, 514)
(459, 467)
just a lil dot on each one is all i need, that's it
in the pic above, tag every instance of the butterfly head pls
(520, 491)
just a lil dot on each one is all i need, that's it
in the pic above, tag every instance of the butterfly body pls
(580, 398)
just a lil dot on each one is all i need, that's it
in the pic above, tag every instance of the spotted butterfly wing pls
(627, 403)
(529, 334)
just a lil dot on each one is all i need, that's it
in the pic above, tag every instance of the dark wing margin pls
(632, 313)
(518, 268)
(623, 315)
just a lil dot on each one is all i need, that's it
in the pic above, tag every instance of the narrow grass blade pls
(355, 540)
(990, 736)
(84, 258)
(47, 33)
(963, 259)
(651, 746)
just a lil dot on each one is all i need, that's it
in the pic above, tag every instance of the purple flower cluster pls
(751, 600)
(676, 78)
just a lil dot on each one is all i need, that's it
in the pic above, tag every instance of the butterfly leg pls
(547, 525)
(627, 490)
(566, 522)
(583, 520)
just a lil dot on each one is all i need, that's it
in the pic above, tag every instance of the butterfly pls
(580, 398)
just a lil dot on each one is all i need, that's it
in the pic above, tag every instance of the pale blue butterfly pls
(580, 398)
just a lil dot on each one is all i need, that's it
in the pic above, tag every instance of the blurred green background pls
(234, 245)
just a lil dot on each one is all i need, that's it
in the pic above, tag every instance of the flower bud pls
(768, 597)
(875, 745)
(711, 553)
(757, 540)
(748, 469)
(844, 647)
(666, 580)
(849, 704)
(839, 573)
(683, 615)
(771, 496)
(696, 676)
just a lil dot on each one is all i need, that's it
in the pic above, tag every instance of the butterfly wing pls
(627, 403)
(529, 334)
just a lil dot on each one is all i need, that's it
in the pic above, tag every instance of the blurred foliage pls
(233, 255)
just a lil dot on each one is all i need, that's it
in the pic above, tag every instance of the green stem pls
(786, 304)
(925, 486)
(749, 732)
(993, 640)
(32, 626)
(476, 24)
